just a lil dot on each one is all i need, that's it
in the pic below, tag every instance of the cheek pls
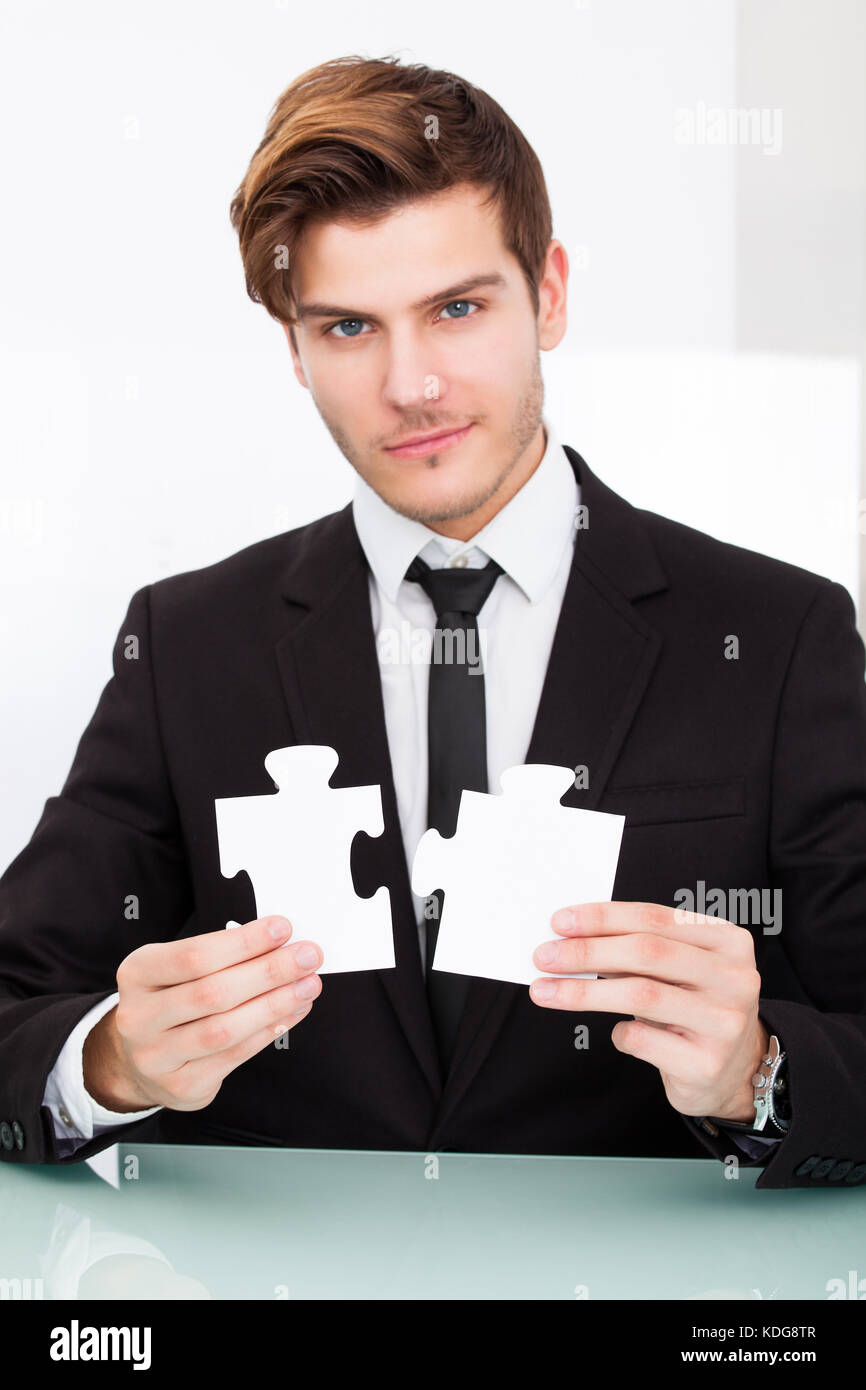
(482, 380)
(498, 371)
(340, 387)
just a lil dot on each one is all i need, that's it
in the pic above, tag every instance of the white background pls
(150, 422)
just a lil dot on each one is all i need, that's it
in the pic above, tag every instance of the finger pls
(232, 1057)
(639, 953)
(157, 964)
(652, 999)
(671, 1053)
(618, 918)
(217, 1032)
(236, 984)
(210, 1072)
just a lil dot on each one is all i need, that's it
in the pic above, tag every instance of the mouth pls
(422, 445)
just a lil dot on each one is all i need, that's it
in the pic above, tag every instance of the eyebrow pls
(494, 280)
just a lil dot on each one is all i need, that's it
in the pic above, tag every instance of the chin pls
(432, 503)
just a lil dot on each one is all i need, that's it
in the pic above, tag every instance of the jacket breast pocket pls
(664, 802)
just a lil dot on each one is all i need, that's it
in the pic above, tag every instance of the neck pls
(463, 528)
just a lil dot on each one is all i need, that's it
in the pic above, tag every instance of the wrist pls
(741, 1109)
(740, 1112)
(105, 1077)
(771, 1099)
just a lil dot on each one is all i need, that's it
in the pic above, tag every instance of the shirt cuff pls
(74, 1112)
(755, 1145)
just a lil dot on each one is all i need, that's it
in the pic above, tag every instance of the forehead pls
(414, 249)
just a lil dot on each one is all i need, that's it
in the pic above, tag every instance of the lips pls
(424, 438)
(434, 443)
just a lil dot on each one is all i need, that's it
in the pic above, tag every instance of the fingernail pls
(546, 954)
(563, 919)
(544, 989)
(307, 988)
(307, 956)
(279, 928)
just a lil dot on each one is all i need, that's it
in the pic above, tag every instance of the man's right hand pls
(190, 1011)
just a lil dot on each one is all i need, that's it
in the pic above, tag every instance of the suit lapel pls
(601, 660)
(600, 663)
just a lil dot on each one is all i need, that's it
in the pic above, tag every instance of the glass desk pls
(202, 1222)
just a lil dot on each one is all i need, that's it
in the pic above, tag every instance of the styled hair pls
(354, 138)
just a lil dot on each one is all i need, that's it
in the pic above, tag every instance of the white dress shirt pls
(532, 538)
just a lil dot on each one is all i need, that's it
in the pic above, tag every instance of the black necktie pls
(456, 746)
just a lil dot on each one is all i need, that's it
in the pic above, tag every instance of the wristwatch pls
(772, 1099)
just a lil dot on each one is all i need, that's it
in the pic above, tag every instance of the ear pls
(552, 312)
(296, 361)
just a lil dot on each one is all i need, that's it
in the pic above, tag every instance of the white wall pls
(149, 419)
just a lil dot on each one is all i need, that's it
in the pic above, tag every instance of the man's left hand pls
(689, 980)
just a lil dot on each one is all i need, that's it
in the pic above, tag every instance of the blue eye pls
(340, 325)
(351, 328)
(462, 303)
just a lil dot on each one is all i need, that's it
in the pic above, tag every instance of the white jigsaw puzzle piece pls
(514, 859)
(295, 845)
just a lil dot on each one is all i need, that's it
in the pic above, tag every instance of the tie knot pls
(455, 590)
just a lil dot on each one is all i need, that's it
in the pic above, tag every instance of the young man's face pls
(383, 367)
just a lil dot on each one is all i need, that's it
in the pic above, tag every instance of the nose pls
(412, 379)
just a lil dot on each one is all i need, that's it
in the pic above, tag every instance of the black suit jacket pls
(746, 773)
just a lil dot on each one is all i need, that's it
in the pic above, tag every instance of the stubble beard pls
(524, 425)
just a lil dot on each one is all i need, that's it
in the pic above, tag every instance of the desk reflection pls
(203, 1222)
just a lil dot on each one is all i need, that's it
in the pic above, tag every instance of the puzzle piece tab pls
(295, 845)
(514, 859)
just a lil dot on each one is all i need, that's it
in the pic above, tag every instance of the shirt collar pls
(526, 537)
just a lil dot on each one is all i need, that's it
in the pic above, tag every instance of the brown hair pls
(356, 137)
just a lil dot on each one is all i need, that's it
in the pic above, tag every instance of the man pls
(395, 222)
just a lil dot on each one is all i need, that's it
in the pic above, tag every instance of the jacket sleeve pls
(817, 849)
(104, 871)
